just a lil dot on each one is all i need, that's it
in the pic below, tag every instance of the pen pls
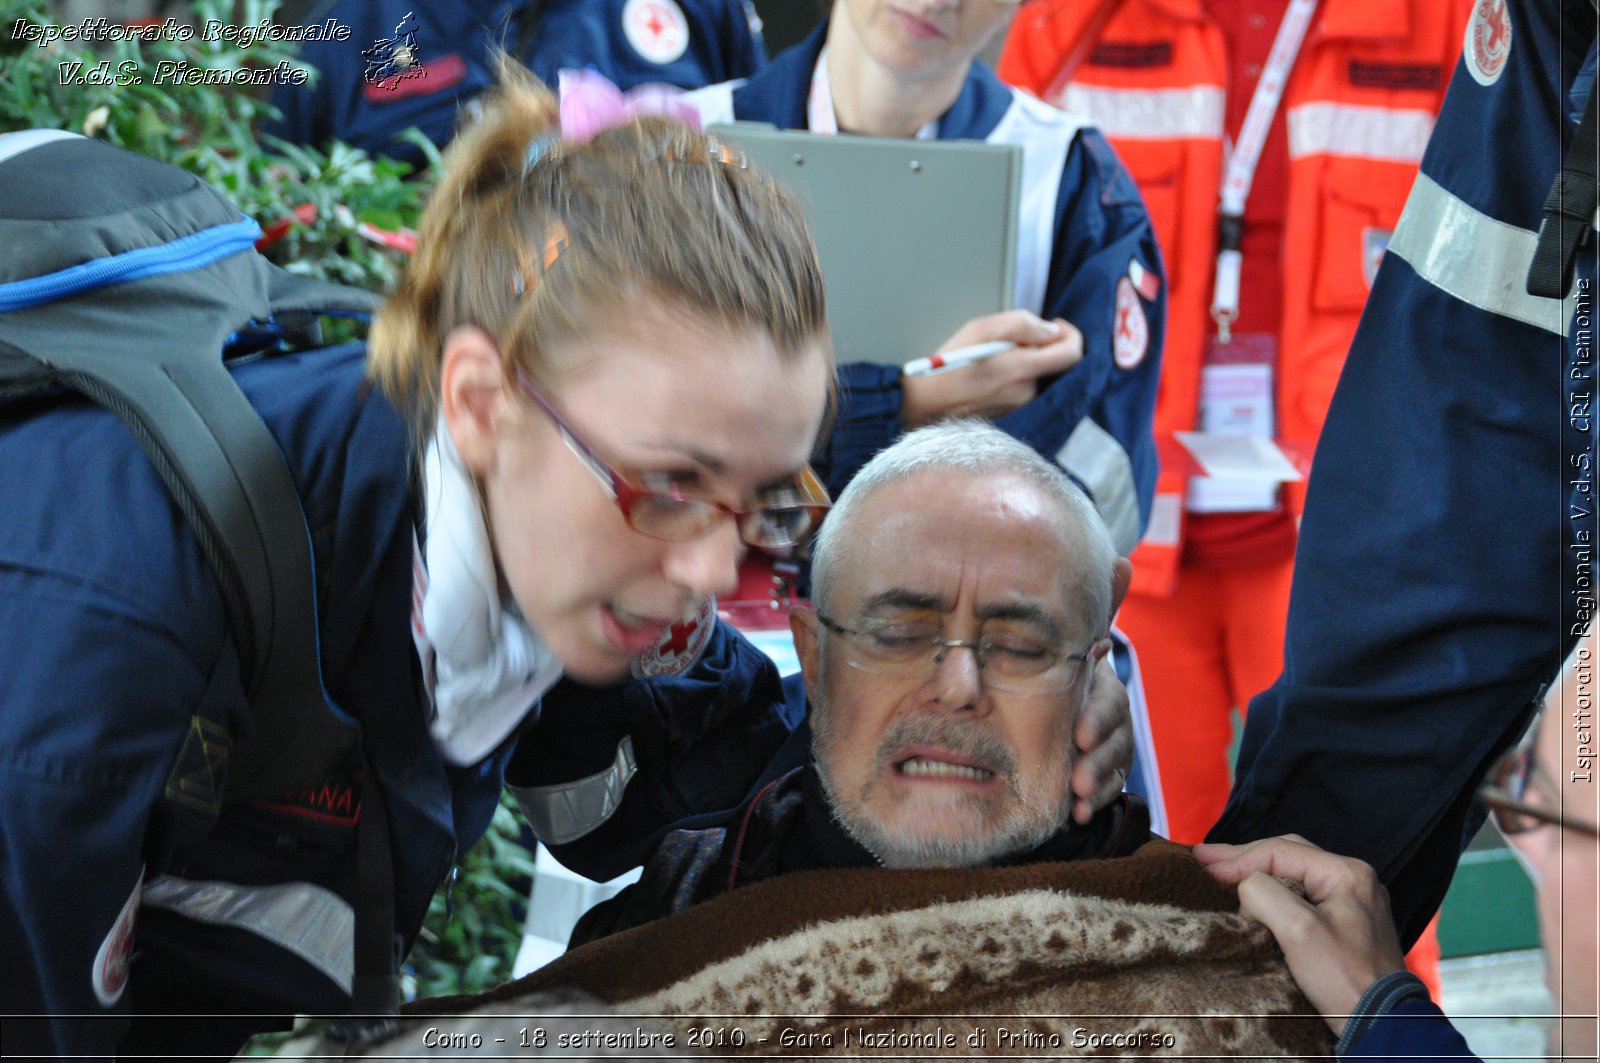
(943, 363)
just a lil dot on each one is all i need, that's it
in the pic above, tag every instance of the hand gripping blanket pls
(1140, 957)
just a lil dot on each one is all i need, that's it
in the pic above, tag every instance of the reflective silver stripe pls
(1095, 459)
(1478, 259)
(567, 811)
(1382, 133)
(16, 143)
(315, 924)
(1045, 136)
(1149, 114)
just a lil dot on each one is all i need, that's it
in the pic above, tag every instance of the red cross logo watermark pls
(657, 29)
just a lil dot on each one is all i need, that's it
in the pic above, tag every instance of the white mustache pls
(971, 740)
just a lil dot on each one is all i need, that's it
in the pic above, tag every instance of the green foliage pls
(212, 131)
(475, 949)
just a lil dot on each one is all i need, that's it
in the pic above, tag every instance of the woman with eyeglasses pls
(604, 371)
(1339, 938)
(597, 386)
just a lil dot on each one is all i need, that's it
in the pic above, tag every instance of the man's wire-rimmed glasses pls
(1017, 661)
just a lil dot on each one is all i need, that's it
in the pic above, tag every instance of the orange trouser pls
(1423, 959)
(1212, 645)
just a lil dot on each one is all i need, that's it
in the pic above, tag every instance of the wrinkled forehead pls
(964, 543)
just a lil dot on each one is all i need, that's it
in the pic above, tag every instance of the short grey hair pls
(972, 446)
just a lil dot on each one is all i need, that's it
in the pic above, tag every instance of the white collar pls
(483, 666)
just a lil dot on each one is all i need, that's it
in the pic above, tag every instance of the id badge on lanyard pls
(1236, 383)
(1236, 399)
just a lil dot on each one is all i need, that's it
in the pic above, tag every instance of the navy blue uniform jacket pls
(118, 665)
(1445, 565)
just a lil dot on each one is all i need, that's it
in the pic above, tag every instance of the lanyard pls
(1240, 168)
(819, 105)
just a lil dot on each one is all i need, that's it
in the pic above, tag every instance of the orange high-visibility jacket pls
(1359, 105)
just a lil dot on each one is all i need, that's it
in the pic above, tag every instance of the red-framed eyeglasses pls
(783, 518)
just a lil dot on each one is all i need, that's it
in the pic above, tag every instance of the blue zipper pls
(189, 252)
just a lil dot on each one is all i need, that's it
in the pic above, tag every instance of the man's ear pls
(803, 625)
(1121, 576)
(471, 390)
(1101, 647)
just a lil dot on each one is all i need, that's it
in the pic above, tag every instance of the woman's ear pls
(471, 391)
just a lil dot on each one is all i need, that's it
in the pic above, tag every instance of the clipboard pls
(915, 236)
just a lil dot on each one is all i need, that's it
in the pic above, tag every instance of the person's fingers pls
(1288, 915)
(1337, 939)
(1290, 857)
(993, 386)
(1323, 875)
(1100, 775)
(1340, 877)
(1098, 778)
(1209, 853)
(1018, 368)
(1105, 709)
(1021, 327)
(1103, 736)
(1056, 356)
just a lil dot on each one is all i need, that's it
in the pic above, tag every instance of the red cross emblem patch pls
(1130, 331)
(656, 29)
(680, 645)
(1488, 43)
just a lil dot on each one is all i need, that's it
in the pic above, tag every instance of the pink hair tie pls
(590, 103)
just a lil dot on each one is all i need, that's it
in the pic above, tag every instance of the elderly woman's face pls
(664, 399)
(923, 38)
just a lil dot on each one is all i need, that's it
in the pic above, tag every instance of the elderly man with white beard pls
(962, 595)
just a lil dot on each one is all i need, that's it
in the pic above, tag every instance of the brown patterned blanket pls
(1141, 957)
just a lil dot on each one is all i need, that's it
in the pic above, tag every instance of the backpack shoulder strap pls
(139, 328)
(1569, 210)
